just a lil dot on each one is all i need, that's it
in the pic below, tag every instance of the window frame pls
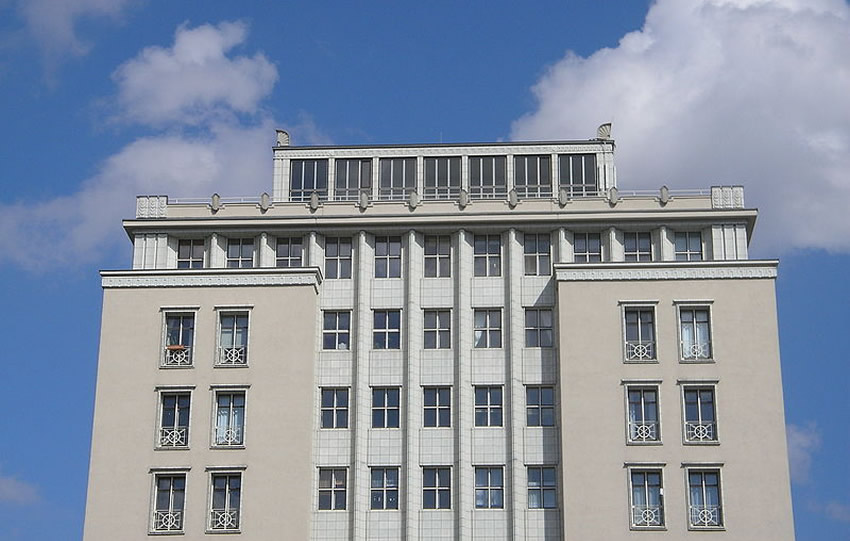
(178, 522)
(384, 490)
(640, 350)
(334, 409)
(587, 256)
(688, 254)
(438, 407)
(241, 261)
(438, 256)
(232, 360)
(333, 490)
(212, 518)
(489, 408)
(391, 190)
(637, 432)
(289, 259)
(319, 185)
(192, 261)
(540, 406)
(703, 469)
(638, 255)
(382, 336)
(535, 261)
(337, 332)
(173, 356)
(491, 334)
(441, 330)
(647, 512)
(489, 188)
(441, 473)
(238, 442)
(694, 306)
(179, 437)
(447, 187)
(491, 260)
(538, 330)
(390, 415)
(583, 188)
(543, 488)
(538, 189)
(383, 262)
(349, 193)
(489, 489)
(340, 263)
(699, 425)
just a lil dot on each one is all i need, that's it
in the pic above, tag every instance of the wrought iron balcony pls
(228, 436)
(647, 515)
(174, 436)
(700, 431)
(640, 350)
(696, 351)
(224, 519)
(643, 431)
(706, 516)
(167, 521)
(233, 355)
(178, 355)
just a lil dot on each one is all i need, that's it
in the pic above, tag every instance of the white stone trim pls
(668, 271)
(210, 278)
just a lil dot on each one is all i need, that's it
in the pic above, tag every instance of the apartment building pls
(441, 341)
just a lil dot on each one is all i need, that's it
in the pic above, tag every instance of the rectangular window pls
(489, 487)
(542, 487)
(385, 488)
(334, 408)
(386, 330)
(387, 257)
(353, 177)
(332, 484)
(233, 339)
(538, 327)
(637, 246)
(578, 174)
(438, 256)
(289, 252)
(168, 502)
(190, 254)
(385, 407)
(438, 407)
(174, 419)
(488, 328)
(436, 488)
(337, 257)
(587, 248)
(540, 405)
(179, 339)
(398, 178)
(533, 176)
(488, 406)
(308, 177)
(487, 177)
(640, 334)
(643, 421)
(442, 178)
(689, 246)
(695, 331)
(647, 498)
(240, 253)
(487, 259)
(438, 329)
(229, 418)
(700, 415)
(704, 504)
(226, 501)
(536, 251)
(336, 330)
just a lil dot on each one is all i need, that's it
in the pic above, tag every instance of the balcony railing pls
(700, 431)
(167, 521)
(640, 350)
(696, 351)
(643, 431)
(224, 519)
(232, 355)
(228, 436)
(706, 516)
(178, 355)
(647, 515)
(174, 436)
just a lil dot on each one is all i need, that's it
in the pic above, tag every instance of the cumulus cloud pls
(15, 491)
(803, 441)
(838, 511)
(710, 92)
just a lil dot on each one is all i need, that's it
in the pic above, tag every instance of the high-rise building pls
(441, 341)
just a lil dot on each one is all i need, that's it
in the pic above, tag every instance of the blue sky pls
(101, 100)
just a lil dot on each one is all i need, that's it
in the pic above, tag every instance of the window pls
(438, 329)
(643, 414)
(540, 405)
(307, 177)
(637, 246)
(442, 178)
(334, 408)
(179, 339)
(240, 253)
(336, 330)
(190, 254)
(289, 252)
(398, 178)
(578, 174)
(387, 257)
(438, 256)
(226, 501)
(386, 333)
(587, 248)
(233, 339)
(353, 176)
(647, 498)
(700, 415)
(640, 334)
(385, 488)
(487, 259)
(174, 419)
(332, 483)
(337, 257)
(538, 327)
(704, 505)
(542, 487)
(689, 246)
(168, 502)
(489, 487)
(385, 407)
(488, 328)
(536, 249)
(488, 406)
(438, 407)
(437, 488)
(695, 330)
(230, 418)
(533, 176)
(487, 178)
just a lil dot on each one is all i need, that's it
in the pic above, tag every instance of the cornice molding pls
(208, 278)
(715, 270)
(460, 150)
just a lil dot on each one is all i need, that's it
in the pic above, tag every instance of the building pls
(453, 341)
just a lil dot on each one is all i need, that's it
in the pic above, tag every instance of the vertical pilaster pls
(463, 489)
(410, 469)
(666, 245)
(359, 470)
(514, 389)
(616, 250)
(314, 251)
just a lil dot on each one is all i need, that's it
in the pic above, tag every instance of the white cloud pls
(15, 491)
(710, 92)
(803, 441)
(838, 511)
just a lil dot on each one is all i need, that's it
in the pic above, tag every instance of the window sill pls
(697, 361)
(228, 366)
(170, 532)
(176, 366)
(644, 443)
(636, 361)
(172, 448)
(699, 443)
(222, 532)
(692, 528)
(227, 447)
(647, 528)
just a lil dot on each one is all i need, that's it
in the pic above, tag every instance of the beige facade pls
(461, 341)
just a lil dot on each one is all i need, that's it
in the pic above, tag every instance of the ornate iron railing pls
(700, 431)
(224, 519)
(178, 356)
(643, 431)
(640, 350)
(696, 351)
(167, 521)
(234, 355)
(228, 436)
(706, 516)
(173, 436)
(647, 515)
